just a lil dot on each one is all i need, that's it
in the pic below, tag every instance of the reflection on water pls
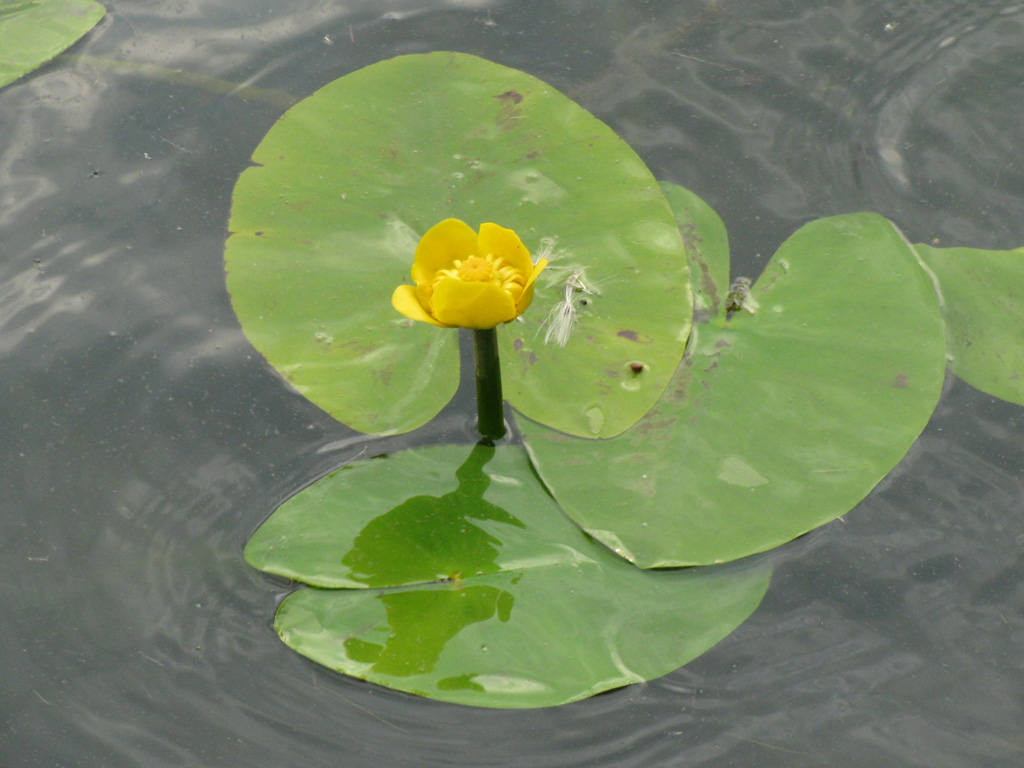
(386, 522)
(422, 624)
(143, 441)
(393, 548)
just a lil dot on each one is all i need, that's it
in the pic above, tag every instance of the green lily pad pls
(325, 224)
(707, 249)
(33, 32)
(410, 519)
(781, 417)
(983, 306)
(524, 609)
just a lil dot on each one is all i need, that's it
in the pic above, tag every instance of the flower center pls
(474, 269)
(485, 269)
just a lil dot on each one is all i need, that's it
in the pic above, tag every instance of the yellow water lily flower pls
(468, 280)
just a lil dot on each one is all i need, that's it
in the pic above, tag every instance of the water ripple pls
(144, 440)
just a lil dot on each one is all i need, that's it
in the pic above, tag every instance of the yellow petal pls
(505, 244)
(423, 294)
(527, 297)
(405, 301)
(472, 305)
(439, 248)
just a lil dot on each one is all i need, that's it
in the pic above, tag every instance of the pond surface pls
(144, 439)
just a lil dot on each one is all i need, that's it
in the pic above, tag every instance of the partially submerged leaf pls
(983, 306)
(33, 32)
(524, 609)
(780, 418)
(325, 224)
(535, 638)
(413, 518)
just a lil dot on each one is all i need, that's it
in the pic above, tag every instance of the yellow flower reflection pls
(468, 280)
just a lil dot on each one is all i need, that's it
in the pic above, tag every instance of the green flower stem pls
(489, 403)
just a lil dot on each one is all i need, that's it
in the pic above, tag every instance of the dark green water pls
(143, 439)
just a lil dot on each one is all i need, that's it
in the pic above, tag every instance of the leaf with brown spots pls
(776, 422)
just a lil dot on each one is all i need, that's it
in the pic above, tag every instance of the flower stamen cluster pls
(485, 269)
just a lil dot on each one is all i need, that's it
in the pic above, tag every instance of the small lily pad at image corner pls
(781, 417)
(521, 609)
(32, 32)
(983, 306)
(325, 224)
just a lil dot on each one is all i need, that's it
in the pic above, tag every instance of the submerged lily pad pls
(32, 32)
(325, 224)
(781, 417)
(524, 609)
(983, 306)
